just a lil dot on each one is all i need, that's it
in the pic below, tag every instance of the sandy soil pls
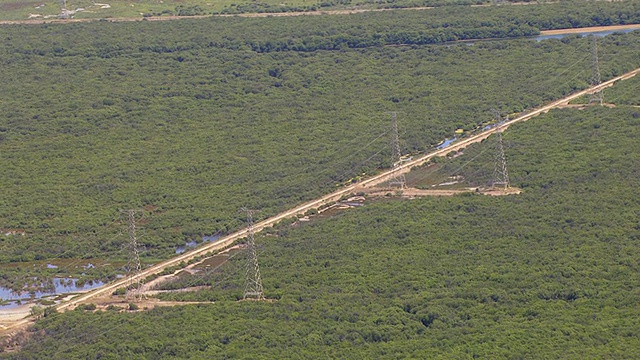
(413, 192)
(103, 302)
(189, 289)
(584, 106)
(501, 192)
(590, 29)
(15, 314)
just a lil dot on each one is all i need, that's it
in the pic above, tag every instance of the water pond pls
(446, 143)
(59, 286)
(192, 244)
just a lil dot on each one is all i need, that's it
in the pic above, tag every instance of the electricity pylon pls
(500, 174)
(596, 97)
(64, 13)
(133, 266)
(253, 283)
(398, 179)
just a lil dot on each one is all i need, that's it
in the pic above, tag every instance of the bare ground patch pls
(412, 193)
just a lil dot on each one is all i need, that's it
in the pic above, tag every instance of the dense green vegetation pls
(625, 93)
(550, 273)
(187, 121)
(190, 120)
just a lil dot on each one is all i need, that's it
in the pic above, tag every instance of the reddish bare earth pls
(414, 193)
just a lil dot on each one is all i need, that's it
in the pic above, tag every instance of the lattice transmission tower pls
(399, 179)
(133, 265)
(253, 282)
(596, 97)
(500, 174)
(64, 13)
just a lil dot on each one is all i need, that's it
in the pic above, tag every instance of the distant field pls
(22, 10)
(85, 9)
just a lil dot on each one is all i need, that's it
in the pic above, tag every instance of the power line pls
(133, 266)
(396, 160)
(253, 283)
(596, 97)
(500, 174)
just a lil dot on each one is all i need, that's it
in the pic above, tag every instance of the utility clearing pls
(374, 186)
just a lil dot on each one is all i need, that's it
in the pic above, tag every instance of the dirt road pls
(590, 29)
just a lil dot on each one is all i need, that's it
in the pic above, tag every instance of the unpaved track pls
(314, 204)
(590, 29)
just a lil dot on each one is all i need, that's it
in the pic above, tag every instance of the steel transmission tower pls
(253, 283)
(399, 179)
(133, 266)
(500, 174)
(596, 97)
(64, 13)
